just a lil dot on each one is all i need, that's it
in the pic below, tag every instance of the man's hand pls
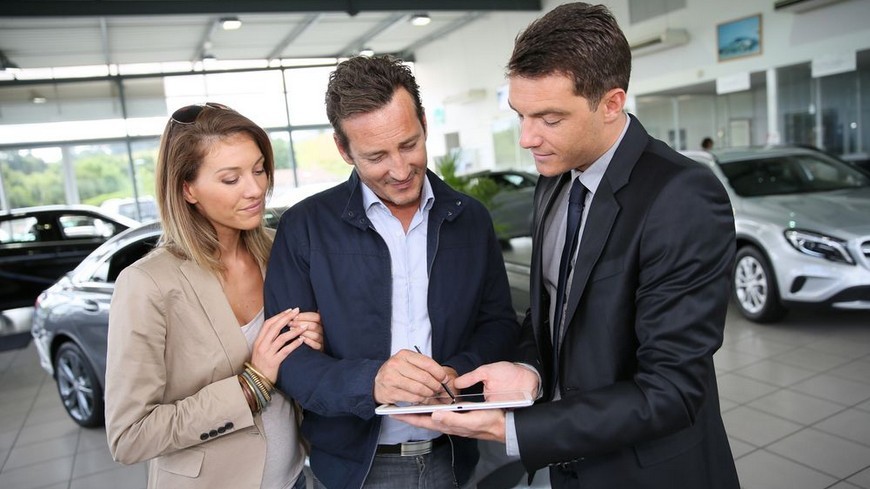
(484, 424)
(409, 376)
(500, 377)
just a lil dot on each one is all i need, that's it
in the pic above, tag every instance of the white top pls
(284, 455)
(409, 316)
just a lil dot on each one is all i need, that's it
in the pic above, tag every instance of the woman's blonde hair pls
(183, 147)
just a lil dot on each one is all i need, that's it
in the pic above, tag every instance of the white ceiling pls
(34, 38)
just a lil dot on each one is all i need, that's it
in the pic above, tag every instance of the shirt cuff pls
(540, 383)
(512, 446)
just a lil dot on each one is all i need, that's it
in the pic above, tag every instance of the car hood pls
(842, 213)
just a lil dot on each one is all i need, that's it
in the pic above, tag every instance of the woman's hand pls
(272, 345)
(312, 334)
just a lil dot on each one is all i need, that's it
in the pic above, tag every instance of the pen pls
(443, 384)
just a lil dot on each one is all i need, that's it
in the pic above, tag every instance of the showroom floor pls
(795, 399)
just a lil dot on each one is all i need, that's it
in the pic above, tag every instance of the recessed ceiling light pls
(420, 20)
(230, 23)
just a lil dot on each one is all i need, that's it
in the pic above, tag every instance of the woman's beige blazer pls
(172, 396)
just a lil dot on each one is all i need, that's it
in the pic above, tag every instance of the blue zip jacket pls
(328, 257)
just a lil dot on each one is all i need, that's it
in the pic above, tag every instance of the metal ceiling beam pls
(104, 41)
(303, 26)
(204, 43)
(408, 52)
(78, 8)
(358, 44)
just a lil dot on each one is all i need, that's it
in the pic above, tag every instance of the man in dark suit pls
(634, 299)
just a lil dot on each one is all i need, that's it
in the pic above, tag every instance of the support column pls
(773, 134)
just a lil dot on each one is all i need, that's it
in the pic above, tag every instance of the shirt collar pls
(591, 177)
(427, 197)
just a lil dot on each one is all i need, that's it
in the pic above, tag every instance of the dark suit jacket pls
(639, 404)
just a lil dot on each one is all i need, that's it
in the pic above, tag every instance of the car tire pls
(78, 386)
(754, 288)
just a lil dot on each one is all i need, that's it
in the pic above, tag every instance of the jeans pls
(431, 471)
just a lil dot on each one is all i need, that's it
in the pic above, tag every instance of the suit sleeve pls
(684, 257)
(140, 423)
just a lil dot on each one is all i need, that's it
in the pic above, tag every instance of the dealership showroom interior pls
(773, 96)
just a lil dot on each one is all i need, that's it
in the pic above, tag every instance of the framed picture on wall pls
(739, 38)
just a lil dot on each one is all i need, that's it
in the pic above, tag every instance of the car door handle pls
(91, 306)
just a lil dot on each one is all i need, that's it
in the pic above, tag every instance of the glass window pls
(317, 158)
(839, 112)
(77, 226)
(32, 177)
(254, 94)
(505, 140)
(20, 230)
(306, 88)
(796, 107)
(101, 171)
(318, 167)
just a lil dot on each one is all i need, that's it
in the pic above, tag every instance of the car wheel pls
(754, 287)
(78, 386)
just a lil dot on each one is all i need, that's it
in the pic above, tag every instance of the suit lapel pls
(599, 222)
(222, 320)
(544, 202)
(602, 214)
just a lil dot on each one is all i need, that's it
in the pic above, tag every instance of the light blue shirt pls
(410, 324)
(554, 232)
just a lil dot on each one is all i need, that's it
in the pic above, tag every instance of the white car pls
(127, 208)
(803, 229)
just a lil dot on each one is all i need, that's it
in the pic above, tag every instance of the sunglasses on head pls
(189, 113)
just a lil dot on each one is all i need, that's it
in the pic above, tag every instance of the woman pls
(191, 361)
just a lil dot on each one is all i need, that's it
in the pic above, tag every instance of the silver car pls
(71, 322)
(803, 229)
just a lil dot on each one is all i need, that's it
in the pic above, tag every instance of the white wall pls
(468, 61)
(474, 58)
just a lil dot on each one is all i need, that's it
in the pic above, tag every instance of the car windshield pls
(791, 174)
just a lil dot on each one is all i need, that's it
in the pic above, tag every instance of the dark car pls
(512, 206)
(39, 244)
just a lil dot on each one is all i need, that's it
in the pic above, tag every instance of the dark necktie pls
(576, 201)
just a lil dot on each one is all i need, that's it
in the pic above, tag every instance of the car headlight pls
(819, 245)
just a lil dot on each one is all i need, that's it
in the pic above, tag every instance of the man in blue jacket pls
(409, 280)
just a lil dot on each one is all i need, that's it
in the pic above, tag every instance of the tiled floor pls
(795, 399)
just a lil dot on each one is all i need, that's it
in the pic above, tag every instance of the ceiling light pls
(37, 98)
(230, 23)
(420, 19)
(369, 52)
(6, 64)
